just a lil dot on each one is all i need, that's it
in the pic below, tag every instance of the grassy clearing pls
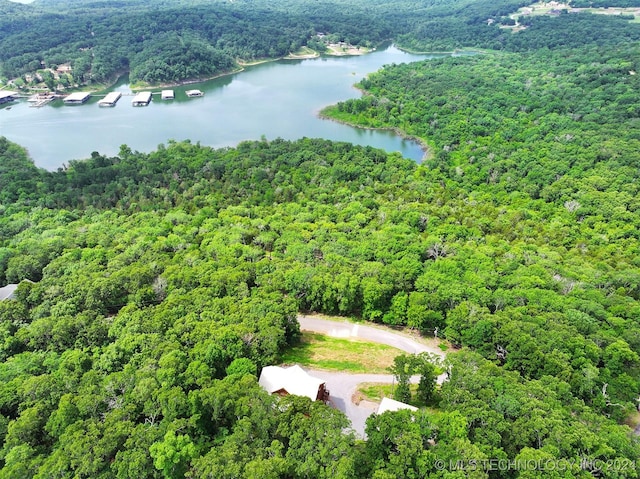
(376, 391)
(324, 352)
(633, 421)
(543, 8)
(345, 49)
(303, 52)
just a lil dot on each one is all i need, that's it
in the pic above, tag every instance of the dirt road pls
(342, 386)
(344, 329)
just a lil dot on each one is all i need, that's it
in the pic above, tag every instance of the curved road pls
(342, 386)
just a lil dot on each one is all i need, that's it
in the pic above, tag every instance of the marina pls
(111, 99)
(79, 98)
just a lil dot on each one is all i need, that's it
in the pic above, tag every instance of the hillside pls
(176, 40)
(160, 283)
(156, 273)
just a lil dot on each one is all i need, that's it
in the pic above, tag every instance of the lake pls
(279, 99)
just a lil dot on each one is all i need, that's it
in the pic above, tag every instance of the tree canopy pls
(160, 283)
(157, 272)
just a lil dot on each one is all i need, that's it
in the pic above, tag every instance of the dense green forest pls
(166, 42)
(162, 282)
(170, 41)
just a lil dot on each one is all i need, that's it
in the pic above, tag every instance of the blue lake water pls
(278, 99)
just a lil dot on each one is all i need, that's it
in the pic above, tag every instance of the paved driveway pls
(342, 386)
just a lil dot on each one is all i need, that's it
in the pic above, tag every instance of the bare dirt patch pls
(340, 49)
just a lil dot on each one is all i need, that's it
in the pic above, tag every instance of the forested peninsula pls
(153, 287)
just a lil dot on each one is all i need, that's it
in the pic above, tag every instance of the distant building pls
(388, 404)
(6, 96)
(292, 380)
(8, 291)
(142, 99)
(110, 99)
(167, 95)
(64, 68)
(77, 98)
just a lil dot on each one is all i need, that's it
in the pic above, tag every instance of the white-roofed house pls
(388, 404)
(293, 380)
(6, 96)
(8, 292)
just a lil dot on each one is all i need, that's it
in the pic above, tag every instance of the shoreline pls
(401, 133)
(331, 52)
(186, 81)
(106, 87)
(476, 51)
(243, 65)
(415, 148)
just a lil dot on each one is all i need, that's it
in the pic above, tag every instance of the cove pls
(279, 99)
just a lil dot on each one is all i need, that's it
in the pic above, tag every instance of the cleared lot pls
(343, 385)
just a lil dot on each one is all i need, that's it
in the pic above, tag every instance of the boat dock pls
(7, 96)
(77, 98)
(111, 99)
(142, 99)
(41, 99)
(108, 100)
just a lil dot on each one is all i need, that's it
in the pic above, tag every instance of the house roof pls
(388, 404)
(142, 96)
(111, 97)
(293, 380)
(7, 292)
(7, 94)
(77, 96)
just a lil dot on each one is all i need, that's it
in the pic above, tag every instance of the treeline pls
(173, 41)
(162, 279)
(535, 123)
(168, 43)
(605, 3)
(541, 32)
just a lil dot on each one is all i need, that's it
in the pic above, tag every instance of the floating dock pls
(192, 93)
(7, 96)
(41, 99)
(77, 98)
(167, 95)
(111, 99)
(142, 99)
